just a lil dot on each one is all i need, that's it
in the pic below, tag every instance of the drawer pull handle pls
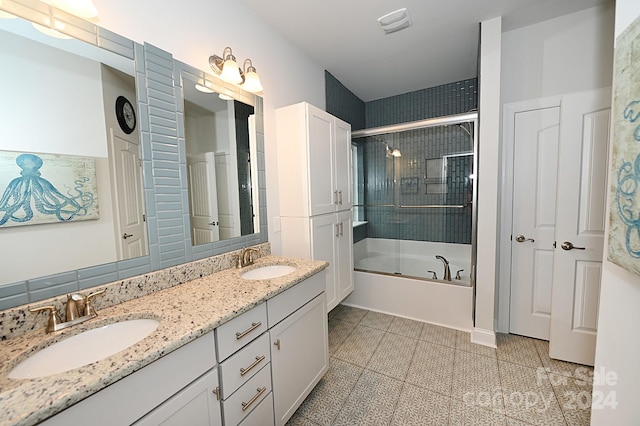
(258, 360)
(254, 325)
(277, 343)
(246, 405)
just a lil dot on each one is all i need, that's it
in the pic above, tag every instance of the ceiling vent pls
(395, 21)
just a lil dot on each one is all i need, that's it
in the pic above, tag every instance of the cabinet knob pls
(277, 344)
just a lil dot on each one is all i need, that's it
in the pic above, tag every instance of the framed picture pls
(46, 188)
(624, 221)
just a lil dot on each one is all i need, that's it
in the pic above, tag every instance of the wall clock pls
(125, 114)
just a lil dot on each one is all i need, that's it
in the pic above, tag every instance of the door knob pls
(567, 245)
(522, 239)
(125, 236)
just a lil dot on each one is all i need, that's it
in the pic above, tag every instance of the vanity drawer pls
(242, 366)
(262, 415)
(285, 303)
(248, 397)
(233, 335)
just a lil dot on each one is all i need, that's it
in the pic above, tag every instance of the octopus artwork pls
(31, 195)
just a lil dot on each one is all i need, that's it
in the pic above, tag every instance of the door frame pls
(506, 200)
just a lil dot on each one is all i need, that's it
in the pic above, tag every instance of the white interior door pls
(580, 219)
(203, 214)
(536, 133)
(129, 205)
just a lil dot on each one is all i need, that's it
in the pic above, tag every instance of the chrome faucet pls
(447, 271)
(245, 258)
(72, 311)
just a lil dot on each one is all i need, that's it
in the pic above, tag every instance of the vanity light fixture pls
(204, 87)
(251, 80)
(227, 68)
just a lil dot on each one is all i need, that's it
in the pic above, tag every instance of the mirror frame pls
(160, 113)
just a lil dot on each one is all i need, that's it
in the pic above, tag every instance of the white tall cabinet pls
(314, 169)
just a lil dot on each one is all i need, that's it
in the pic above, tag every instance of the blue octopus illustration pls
(33, 190)
(627, 194)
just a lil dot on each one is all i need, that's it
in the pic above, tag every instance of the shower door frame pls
(469, 117)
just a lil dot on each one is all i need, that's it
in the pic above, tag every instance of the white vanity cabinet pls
(314, 149)
(177, 389)
(299, 344)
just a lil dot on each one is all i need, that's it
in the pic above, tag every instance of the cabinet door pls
(299, 356)
(342, 164)
(195, 405)
(322, 191)
(344, 256)
(324, 231)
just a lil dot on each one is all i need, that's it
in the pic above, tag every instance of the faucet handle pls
(89, 310)
(54, 318)
(458, 277)
(434, 276)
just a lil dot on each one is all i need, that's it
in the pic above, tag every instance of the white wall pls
(562, 55)
(488, 178)
(203, 27)
(618, 346)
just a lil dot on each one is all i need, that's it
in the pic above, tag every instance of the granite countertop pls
(185, 312)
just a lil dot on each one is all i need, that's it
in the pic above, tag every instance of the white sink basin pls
(267, 272)
(84, 348)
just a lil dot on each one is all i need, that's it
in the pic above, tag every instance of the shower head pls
(467, 131)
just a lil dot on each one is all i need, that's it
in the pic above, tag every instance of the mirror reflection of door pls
(128, 201)
(219, 142)
(205, 224)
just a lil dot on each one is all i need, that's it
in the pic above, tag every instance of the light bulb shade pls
(203, 88)
(252, 82)
(396, 152)
(230, 71)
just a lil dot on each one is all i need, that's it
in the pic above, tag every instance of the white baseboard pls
(483, 337)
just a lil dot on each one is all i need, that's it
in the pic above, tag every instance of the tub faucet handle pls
(458, 277)
(434, 276)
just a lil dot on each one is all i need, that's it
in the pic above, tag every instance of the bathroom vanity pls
(228, 350)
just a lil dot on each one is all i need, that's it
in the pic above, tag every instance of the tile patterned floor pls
(387, 370)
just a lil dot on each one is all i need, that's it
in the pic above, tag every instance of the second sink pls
(267, 272)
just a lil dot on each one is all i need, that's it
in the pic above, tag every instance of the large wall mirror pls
(59, 104)
(61, 97)
(220, 146)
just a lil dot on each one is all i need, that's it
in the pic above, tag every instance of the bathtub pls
(404, 287)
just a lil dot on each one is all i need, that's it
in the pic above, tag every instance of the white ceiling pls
(343, 37)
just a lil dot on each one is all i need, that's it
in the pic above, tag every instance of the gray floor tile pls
(463, 342)
(377, 320)
(393, 356)
(359, 347)
(440, 335)
(463, 414)
(406, 327)
(574, 397)
(372, 401)
(325, 400)
(299, 420)
(419, 407)
(518, 350)
(340, 331)
(432, 367)
(476, 381)
(350, 314)
(528, 395)
(560, 367)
